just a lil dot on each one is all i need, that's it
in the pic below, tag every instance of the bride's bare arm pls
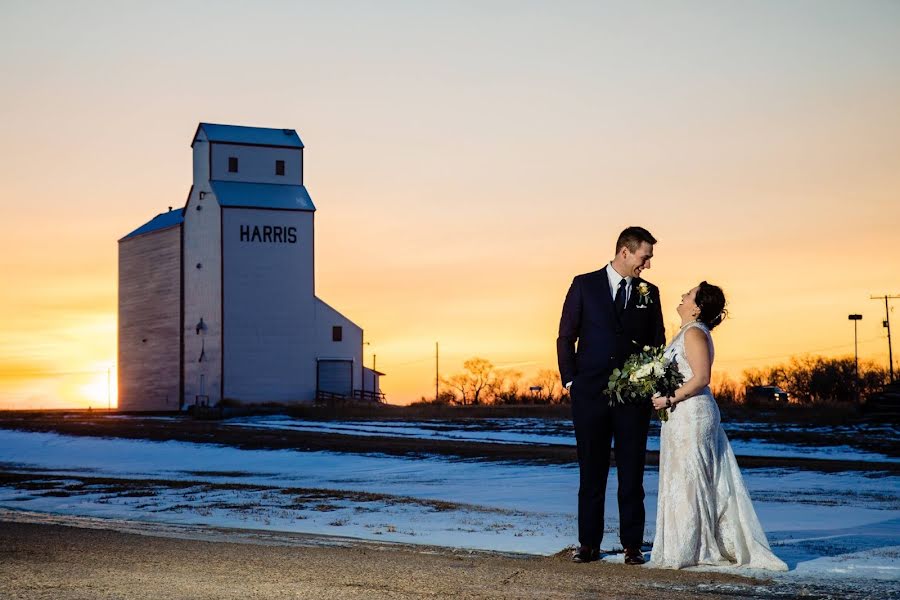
(696, 350)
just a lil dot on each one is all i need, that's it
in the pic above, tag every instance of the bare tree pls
(482, 383)
(480, 372)
(817, 379)
(445, 397)
(548, 381)
(503, 386)
(474, 382)
(459, 383)
(727, 390)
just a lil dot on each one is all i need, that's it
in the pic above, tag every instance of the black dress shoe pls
(633, 556)
(586, 555)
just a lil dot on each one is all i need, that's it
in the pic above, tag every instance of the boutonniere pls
(644, 300)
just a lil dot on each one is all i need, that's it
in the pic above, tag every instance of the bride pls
(704, 515)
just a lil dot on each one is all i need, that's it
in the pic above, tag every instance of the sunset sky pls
(467, 159)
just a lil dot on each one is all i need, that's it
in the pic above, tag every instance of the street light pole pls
(856, 319)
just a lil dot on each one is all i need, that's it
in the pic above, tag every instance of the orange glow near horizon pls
(460, 188)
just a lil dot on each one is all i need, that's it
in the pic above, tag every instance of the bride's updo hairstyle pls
(710, 300)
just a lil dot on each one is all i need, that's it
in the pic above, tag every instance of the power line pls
(409, 362)
(506, 364)
(829, 349)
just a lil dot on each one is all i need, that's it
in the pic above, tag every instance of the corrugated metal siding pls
(263, 328)
(202, 298)
(149, 321)
(336, 377)
(270, 345)
(350, 347)
(371, 380)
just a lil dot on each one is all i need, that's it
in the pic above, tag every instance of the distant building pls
(217, 299)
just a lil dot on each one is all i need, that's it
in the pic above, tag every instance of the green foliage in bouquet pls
(644, 374)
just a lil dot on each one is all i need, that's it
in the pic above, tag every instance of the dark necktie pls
(620, 297)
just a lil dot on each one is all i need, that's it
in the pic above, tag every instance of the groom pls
(610, 313)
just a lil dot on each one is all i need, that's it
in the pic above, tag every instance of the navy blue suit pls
(604, 341)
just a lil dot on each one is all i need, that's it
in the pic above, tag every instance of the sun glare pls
(99, 392)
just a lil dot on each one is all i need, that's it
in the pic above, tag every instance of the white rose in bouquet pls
(644, 371)
(642, 375)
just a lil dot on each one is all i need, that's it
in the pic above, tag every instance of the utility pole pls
(108, 389)
(437, 372)
(856, 319)
(887, 324)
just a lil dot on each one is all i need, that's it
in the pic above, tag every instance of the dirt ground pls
(56, 562)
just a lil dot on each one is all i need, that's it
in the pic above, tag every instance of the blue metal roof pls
(160, 221)
(260, 136)
(262, 195)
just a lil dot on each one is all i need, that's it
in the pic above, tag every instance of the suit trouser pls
(596, 426)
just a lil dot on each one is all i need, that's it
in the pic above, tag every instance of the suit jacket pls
(604, 339)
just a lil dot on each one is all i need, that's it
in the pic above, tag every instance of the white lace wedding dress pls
(704, 515)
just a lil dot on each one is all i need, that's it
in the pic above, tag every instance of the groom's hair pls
(632, 237)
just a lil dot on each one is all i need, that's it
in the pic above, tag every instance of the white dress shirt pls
(614, 279)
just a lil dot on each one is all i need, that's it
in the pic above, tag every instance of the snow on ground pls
(843, 525)
(542, 432)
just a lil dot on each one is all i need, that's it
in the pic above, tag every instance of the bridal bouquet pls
(644, 374)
